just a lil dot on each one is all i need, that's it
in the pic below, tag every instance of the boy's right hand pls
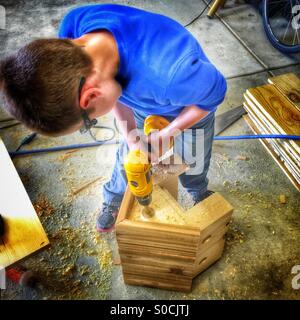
(141, 145)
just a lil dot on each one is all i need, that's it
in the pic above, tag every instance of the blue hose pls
(258, 136)
(114, 141)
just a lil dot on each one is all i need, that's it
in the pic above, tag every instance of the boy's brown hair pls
(40, 84)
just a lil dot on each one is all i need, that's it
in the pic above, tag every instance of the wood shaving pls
(43, 207)
(282, 199)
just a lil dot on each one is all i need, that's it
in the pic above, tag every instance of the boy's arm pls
(189, 116)
(126, 123)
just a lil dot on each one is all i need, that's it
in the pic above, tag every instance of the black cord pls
(200, 14)
(8, 123)
(105, 128)
(116, 125)
(7, 119)
(26, 140)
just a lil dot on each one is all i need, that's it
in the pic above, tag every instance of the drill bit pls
(148, 212)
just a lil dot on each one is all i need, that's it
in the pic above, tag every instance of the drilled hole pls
(202, 260)
(206, 239)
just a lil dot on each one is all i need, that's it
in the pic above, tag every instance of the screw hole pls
(202, 260)
(206, 239)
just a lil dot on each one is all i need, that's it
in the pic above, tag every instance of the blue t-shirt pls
(162, 66)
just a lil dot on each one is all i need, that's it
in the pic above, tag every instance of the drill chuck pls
(144, 201)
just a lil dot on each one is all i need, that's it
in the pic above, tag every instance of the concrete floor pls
(263, 239)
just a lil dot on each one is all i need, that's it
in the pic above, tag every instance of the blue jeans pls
(194, 180)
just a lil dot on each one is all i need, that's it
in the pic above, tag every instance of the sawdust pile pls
(43, 207)
(78, 264)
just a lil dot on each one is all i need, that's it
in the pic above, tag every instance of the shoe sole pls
(104, 230)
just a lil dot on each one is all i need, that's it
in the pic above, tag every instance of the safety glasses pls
(87, 122)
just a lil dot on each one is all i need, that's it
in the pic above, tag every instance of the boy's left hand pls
(159, 143)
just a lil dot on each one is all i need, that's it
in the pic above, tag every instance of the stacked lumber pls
(168, 253)
(274, 108)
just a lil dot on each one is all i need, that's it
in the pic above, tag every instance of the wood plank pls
(160, 273)
(272, 153)
(148, 281)
(180, 248)
(169, 212)
(126, 204)
(283, 115)
(208, 257)
(157, 253)
(266, 128)
(211, 210)
(288, 144)
(213, 236)
(280, 152)
(187, 269)
(180, 242)
(278, 145)
(24, 233)
(289, 85)
(159, 229)
(167, 209)
(137, 263)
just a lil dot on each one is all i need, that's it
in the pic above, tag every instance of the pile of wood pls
(168, 250)
(274, 108)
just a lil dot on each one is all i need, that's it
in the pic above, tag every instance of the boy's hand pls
(141, 145)
(158, 144)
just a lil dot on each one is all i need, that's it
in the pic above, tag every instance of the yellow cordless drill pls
(138, 167)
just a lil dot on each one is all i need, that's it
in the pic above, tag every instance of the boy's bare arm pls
(189, 116)
(126, 122)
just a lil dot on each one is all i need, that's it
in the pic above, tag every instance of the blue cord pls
(62, 148)
(258, 136)
(114, 141)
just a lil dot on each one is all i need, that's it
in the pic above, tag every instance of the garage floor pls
(264, 236)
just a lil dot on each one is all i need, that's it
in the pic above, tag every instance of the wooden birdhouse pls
(171, 248)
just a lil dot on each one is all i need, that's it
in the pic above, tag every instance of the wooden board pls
(182, 283)
(272, 153)
(280, 112)
(168, 211)
(24, 233)
(166, 208)
(278, 145)
(267, 128)
(289, 145)
(289, 85)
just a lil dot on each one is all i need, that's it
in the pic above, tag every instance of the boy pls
(113, 57)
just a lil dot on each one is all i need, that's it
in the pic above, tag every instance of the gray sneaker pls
(107, 218)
